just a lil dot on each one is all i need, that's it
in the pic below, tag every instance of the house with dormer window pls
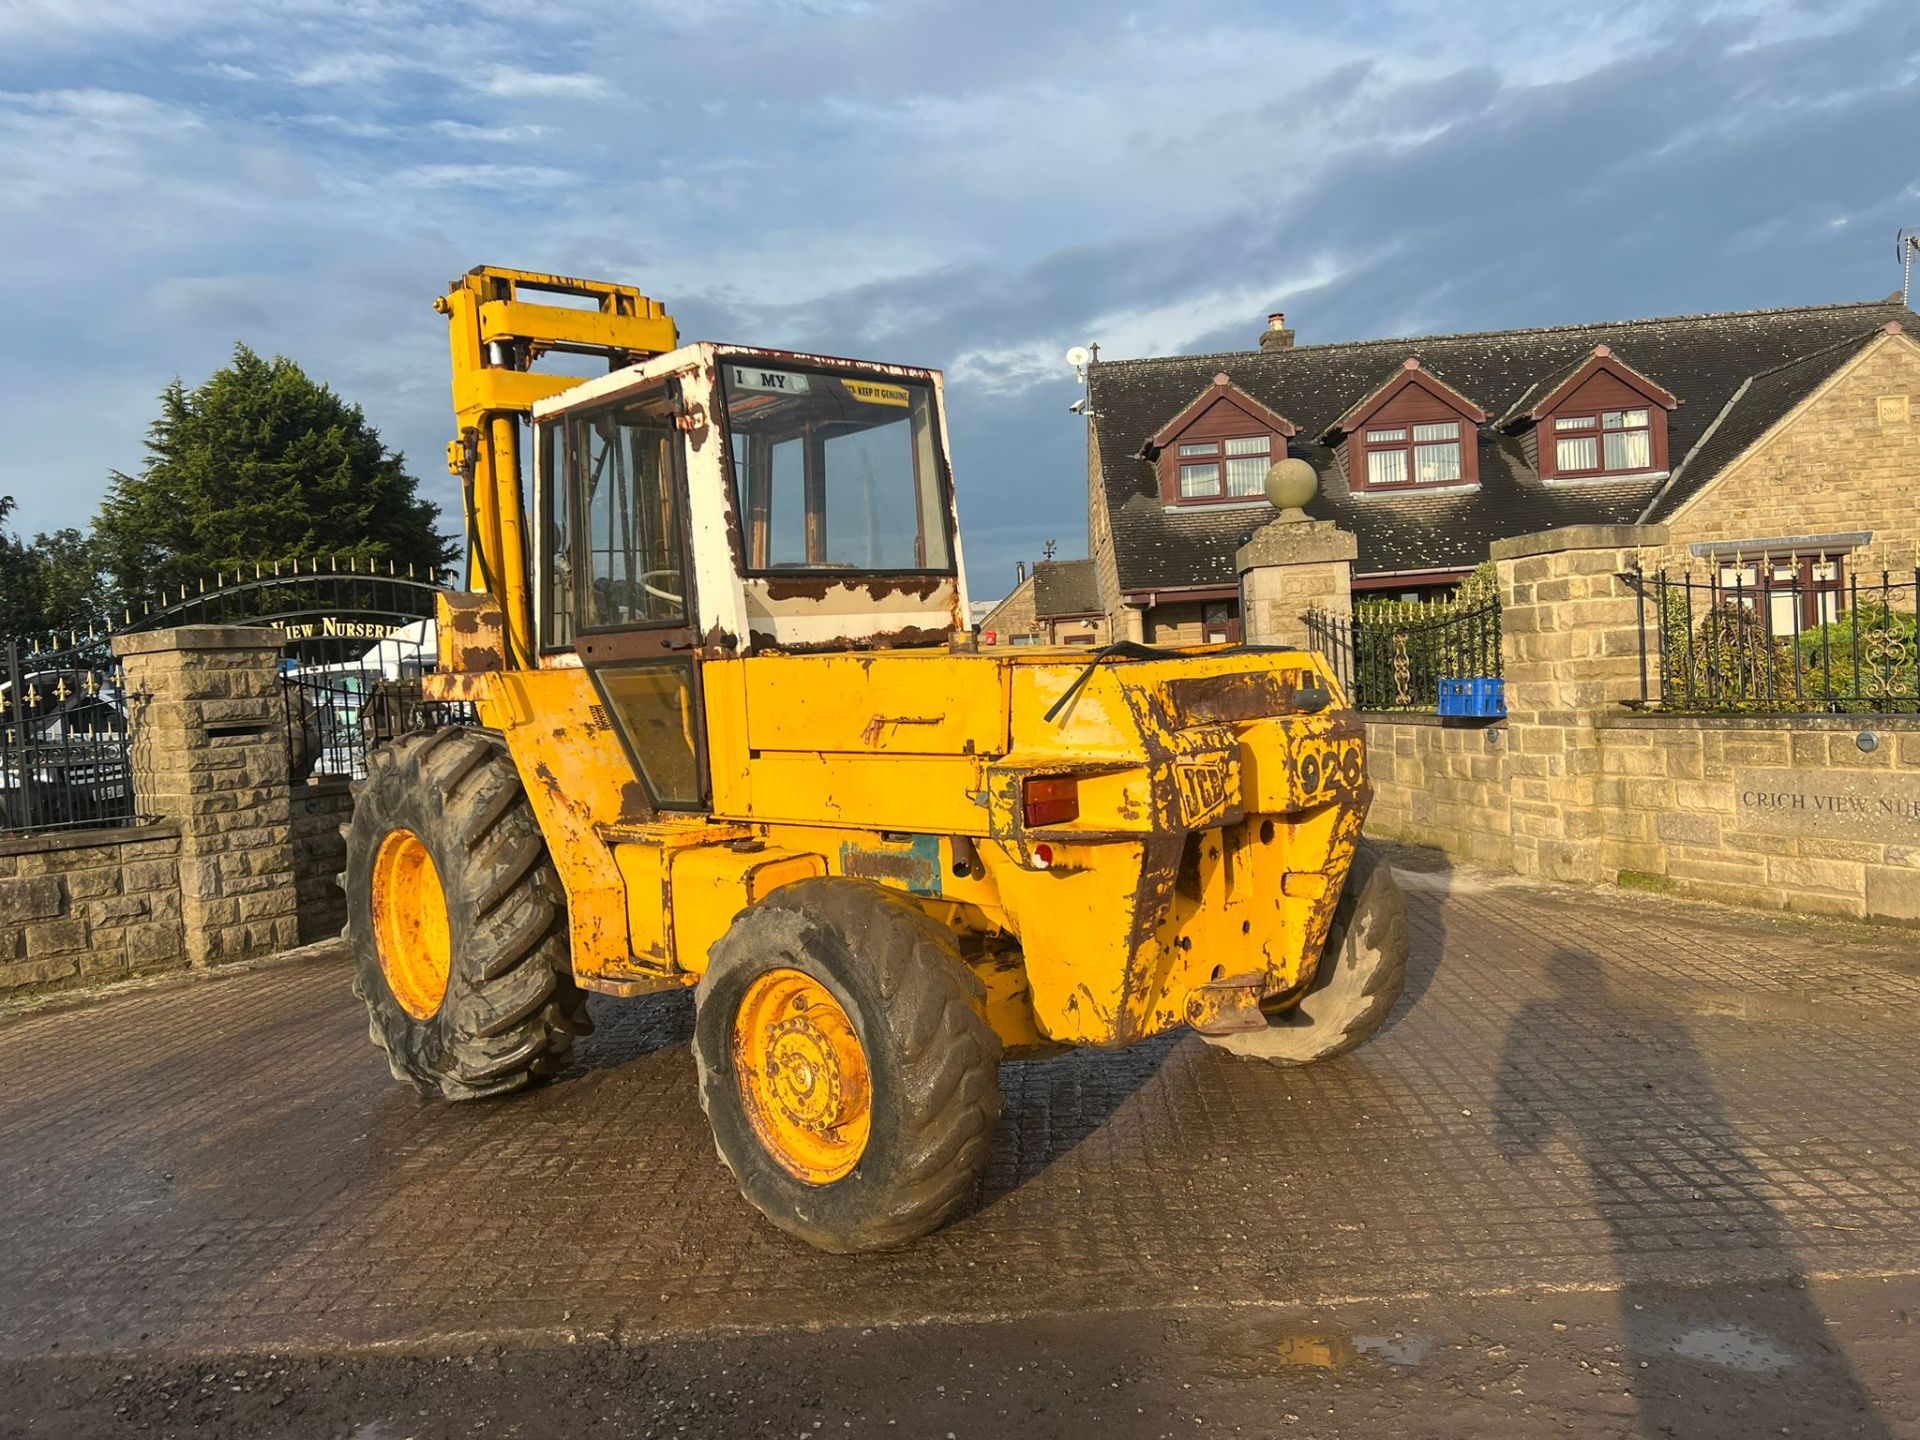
(1776, 443)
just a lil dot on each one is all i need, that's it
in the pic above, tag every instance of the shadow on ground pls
(1694, 1370)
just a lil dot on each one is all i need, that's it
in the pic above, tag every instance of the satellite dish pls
(1078, 357)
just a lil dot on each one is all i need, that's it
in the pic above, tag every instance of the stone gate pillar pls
(209, 739)
(1289, 566)
(1570, 650)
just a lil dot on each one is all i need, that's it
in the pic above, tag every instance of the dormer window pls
(1414, 454)
(1219, 448)
(1411, 430)
(1601, 418)
(1241, 460)
(1614, 441)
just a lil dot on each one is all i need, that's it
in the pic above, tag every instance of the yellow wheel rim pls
(410, 924)
(803, 1076)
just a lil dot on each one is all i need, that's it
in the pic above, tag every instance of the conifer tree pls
(261, 463)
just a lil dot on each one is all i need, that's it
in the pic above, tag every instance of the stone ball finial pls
(1291, 483)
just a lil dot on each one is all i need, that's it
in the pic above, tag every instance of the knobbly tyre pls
(733, 735)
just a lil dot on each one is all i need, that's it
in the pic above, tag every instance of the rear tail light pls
(1051, 800)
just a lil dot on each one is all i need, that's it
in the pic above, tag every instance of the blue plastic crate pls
(1483, 698)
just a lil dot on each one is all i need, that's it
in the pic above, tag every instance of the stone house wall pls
(89, 906)
(1845, 460)
(1106, 565)
(1012, 616)
(1079, 630)
(1176, 623)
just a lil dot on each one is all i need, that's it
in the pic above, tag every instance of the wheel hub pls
(803, 1076)
(410, 926)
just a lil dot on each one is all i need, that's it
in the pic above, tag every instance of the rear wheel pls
(457, 920)
(845, 1066)
(1363, 968)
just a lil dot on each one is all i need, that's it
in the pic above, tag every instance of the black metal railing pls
(1394, 656)
(336, 714)
(66, 761)
(1779, 638)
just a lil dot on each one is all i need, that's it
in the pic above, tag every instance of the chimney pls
(1276, 336)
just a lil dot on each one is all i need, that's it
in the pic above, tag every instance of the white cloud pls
(488, 134)
(1159, 329)
(509, 82)
(352, 67)
(479, 177)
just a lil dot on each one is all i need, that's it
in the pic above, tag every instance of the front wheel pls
(845, 1066)
(1362, 970)
(457, 920)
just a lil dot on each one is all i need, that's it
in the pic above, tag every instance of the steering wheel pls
(647, 577)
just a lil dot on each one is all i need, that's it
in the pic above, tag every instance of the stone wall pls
(1442, 783)
(1817, 813)
(89, 906)
(320, 808)
(237, 865)
(1843, 462)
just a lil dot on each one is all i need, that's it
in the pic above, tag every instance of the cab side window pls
(630, 485)
(556, 540)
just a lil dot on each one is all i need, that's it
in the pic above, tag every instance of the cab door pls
(630, 586)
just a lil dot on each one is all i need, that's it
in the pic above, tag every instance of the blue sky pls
(970, 185)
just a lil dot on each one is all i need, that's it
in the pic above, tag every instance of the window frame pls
(1199, 454)
(1597, 429)
(549, 437)
(1465, 433)
(737, 502)
(1807, 591)
(697, 698)
(579, 540)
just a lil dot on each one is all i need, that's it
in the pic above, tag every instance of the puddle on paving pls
(1732, 1346)
(1394, 1349)
(1322, 1349)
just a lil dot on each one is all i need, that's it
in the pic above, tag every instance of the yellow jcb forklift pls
(733, 734)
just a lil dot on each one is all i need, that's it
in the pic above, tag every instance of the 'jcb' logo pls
(1206, 789)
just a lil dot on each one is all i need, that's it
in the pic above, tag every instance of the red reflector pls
(1051, 800)
(1042, 857)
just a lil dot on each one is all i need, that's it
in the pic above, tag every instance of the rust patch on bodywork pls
(1234, 698)
(1228, 1005)
(876, 588)
(470, 630)
(914, 866)
(878, 725)
(904, 638)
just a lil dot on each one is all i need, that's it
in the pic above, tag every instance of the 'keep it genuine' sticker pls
(871, 392)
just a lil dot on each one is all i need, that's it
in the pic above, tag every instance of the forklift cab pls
(730, 500)
(717, 502)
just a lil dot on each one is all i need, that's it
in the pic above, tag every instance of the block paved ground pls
(1597, 1092)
